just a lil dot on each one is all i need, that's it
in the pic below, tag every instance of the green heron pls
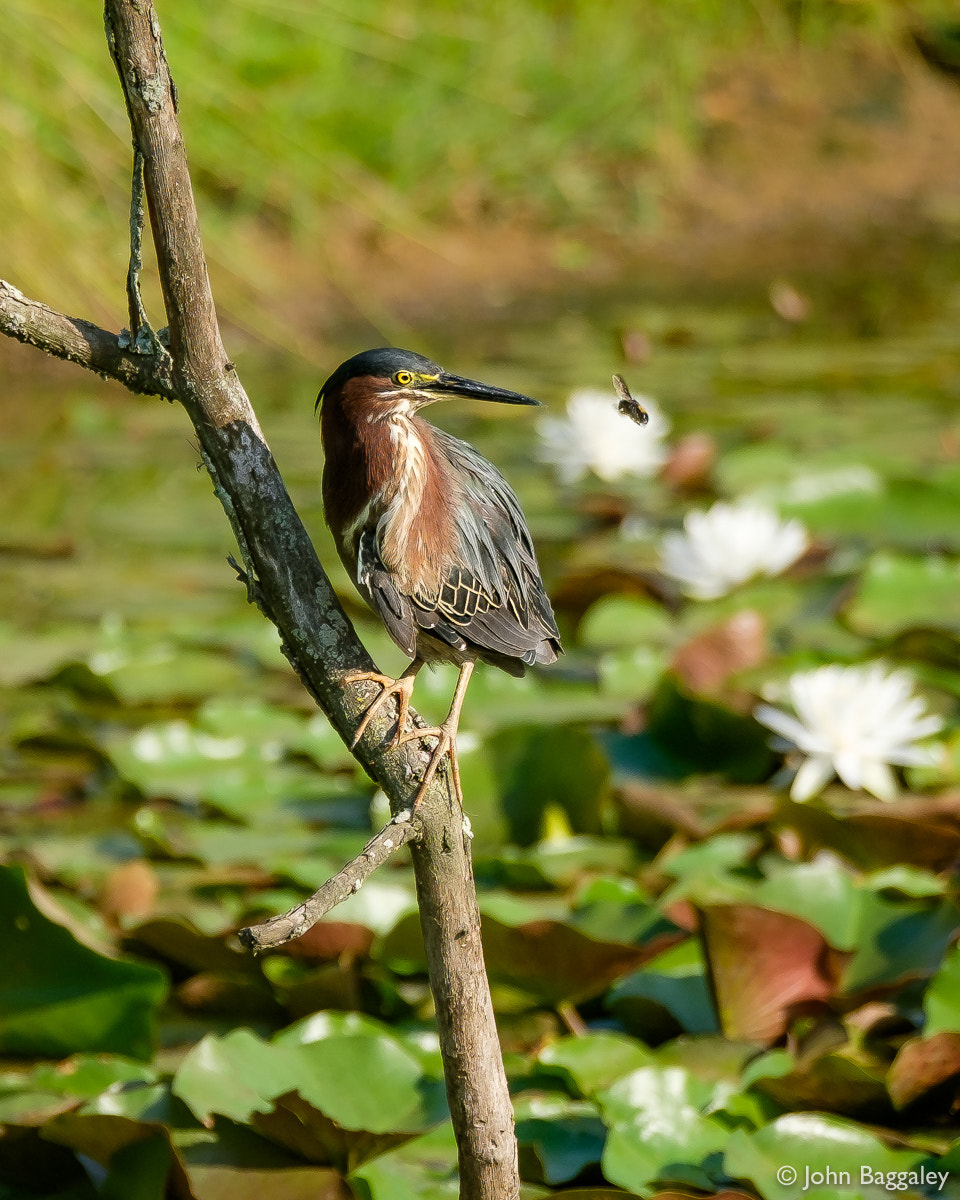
(431, 534)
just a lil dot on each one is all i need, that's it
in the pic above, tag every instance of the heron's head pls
(379, 384)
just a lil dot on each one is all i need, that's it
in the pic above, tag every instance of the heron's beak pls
(446, 386)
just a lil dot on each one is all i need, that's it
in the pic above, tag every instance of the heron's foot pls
(402, 688)
(446, 745)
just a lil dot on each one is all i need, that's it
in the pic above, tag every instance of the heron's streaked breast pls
(412, 507)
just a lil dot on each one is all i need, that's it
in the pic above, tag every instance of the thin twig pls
(346, 883)
(140, 337)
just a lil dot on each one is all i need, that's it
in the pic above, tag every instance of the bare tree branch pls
(286, 579)
(79, 342)
(346, 883)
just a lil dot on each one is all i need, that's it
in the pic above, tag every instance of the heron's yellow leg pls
(446, 735)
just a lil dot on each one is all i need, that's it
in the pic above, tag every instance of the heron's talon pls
(445, 734)
(402, 688)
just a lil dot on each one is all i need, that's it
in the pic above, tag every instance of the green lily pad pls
(335, 1078)
(58, 997)
(941, 1003)
(558, 766)
(658, 1130)
(497, 701)
(706, 737)
(626, 622)
(898, 941)
(87, 1075)
(234, 1076)
(559, 1138)
(908, 513)
(168, 672)
(243, 777)
(777, 1157)
(672, 984)
(710, 858)
(424, 1168)
(238, 1075)
(822, 892)
(552, 863)
(24, 658)
(632, 673)
(897, 592)
(595, 1061)
(623, 918)
(322, 1025)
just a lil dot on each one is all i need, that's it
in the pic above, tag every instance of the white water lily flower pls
(595, 437)
(729, 544)
(852, 722)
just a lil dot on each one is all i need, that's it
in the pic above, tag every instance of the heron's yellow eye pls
(404, 378)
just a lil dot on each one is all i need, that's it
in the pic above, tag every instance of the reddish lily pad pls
(766, 967)
(546, 958)
(922, 1065)
(706, 661)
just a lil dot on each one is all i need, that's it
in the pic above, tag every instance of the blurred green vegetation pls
(310, 123)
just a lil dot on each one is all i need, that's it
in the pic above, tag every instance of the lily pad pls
(596, 1061)
(58, 997)
(558, 1138)
(941, 1004)
(708, 737)
(625, 622)
(897, 592)
(777, 1157)
(538, 768)
(763, 964)
(658, 1130)
(424, 1168)
(239, 1074)
(674, 984)
(922, 1065)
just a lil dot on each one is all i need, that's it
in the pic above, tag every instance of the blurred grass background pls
(357, 156)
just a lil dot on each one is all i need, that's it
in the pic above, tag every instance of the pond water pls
(105, 511)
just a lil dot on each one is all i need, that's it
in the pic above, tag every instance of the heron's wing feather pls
(493, 599)
(392, 607)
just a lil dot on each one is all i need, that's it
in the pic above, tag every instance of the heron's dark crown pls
(381, 363)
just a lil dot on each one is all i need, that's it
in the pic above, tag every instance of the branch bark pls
(285, 578)
(80, 342)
